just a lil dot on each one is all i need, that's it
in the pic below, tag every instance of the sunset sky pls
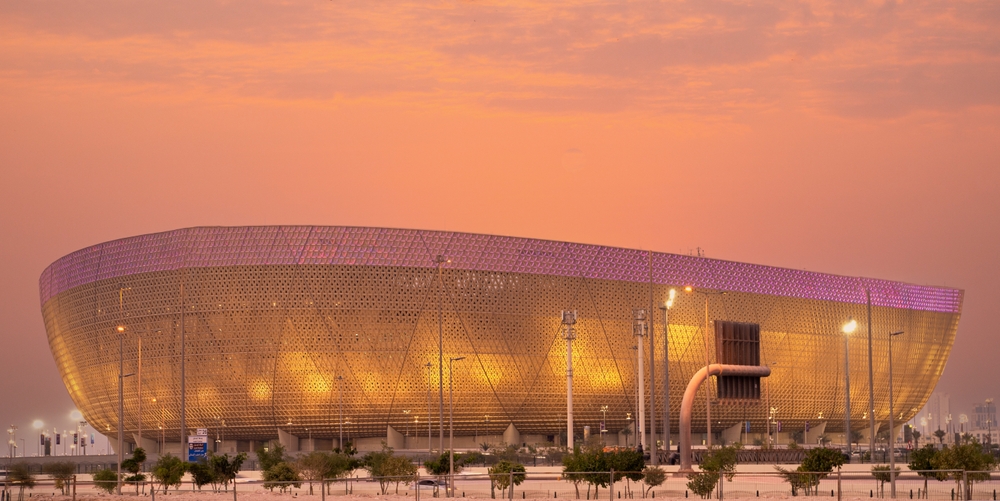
(851, 137)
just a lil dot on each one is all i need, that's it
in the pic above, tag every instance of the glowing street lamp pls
(666, 368)
(38, 425)
(848, 329)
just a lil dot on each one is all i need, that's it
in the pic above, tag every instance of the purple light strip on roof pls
(272, 245)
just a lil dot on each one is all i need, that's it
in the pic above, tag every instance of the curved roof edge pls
(274, 245)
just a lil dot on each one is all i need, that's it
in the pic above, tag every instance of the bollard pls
(758, 493)
(911, 493)
(831, 492)
(953, 495)
(555, 495)
(685, 493)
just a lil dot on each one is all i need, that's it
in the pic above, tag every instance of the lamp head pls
(670, 298)
(850, 326)
(121, 328)
(688, 288)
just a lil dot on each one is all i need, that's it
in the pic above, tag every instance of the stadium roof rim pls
(212, 246)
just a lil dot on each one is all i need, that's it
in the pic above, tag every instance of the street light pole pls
(569, 321)
(708, 388)
(451, 429)
(653, 455)
(121, 407)
(440, 260)
(848, 329)
(871, 382)
(666, 368)
(639, 328)
(892, 436)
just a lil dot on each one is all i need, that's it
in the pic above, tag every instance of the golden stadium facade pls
(288, 328)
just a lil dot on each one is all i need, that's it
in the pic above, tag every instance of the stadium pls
(307, 334)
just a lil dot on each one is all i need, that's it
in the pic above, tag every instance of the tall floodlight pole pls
(708, 388)
(440, 260)
(871, 381)
(121, 382)
(892, 435)
(666, 367)
(451, 428)
(183, 424)
(848, 329)
(569, 322)
(429, 365)
(340, 421)
(653, 453)
(639, 329)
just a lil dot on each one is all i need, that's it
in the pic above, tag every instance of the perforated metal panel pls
(273, 315)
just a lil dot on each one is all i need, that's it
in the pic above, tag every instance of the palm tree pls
(916, 439)
(940, 436)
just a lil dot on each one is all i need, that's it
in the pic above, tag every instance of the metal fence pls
(954, 485)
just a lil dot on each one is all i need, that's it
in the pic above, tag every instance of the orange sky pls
(852, 137)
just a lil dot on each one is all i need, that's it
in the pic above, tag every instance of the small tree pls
(652, 477)
(881, 474)
(381, 466)
(339, 465)
(62, 472)
(573, 465)
(21, 476)
(627, 464)
(714, 464)
(225, 469)
(401, 470)
(106, 480)
(283, 476)
(968, 456)
(439, 465)
(816, 465)
(312, 467)
(922, 461)
(270, 456)
(133, 466)
(168, 471)
(202, 474)
(500, 476)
